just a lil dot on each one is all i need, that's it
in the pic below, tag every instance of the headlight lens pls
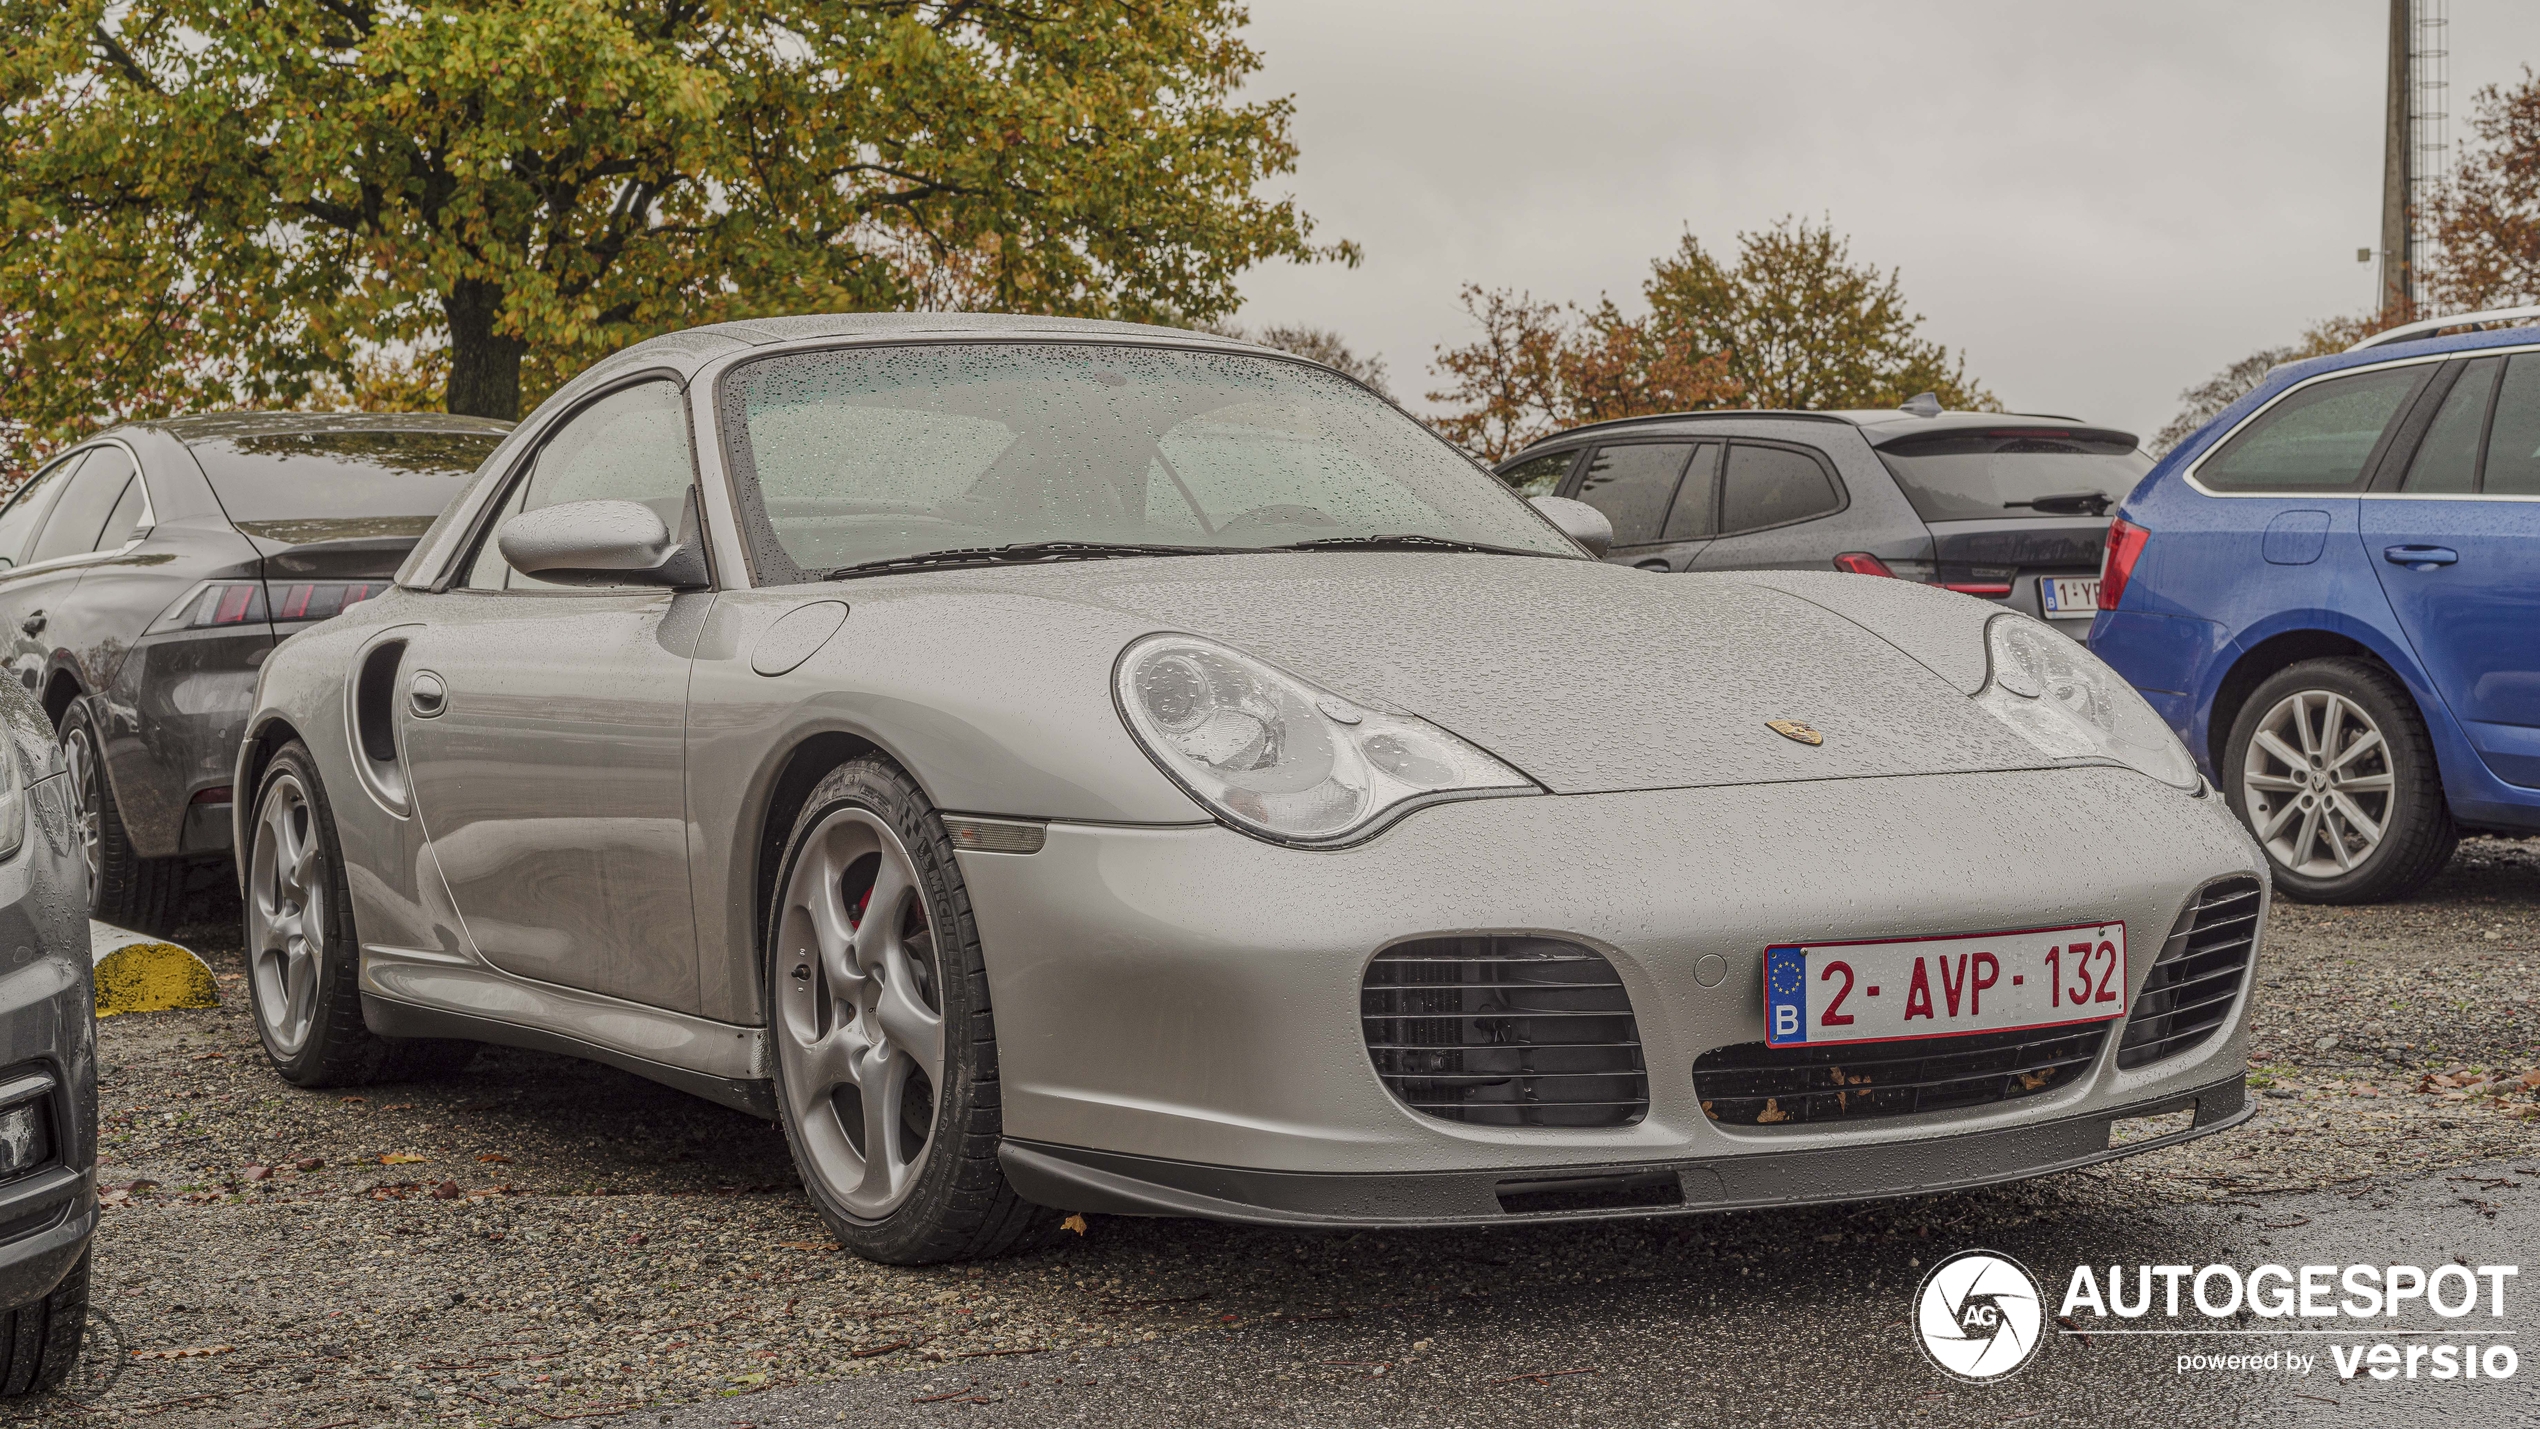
(1282, 758)
(2068, 703)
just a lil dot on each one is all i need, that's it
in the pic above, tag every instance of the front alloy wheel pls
(886, 1056)
(862, 1028)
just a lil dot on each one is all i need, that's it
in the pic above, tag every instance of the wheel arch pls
(2263, 660)
(797, 772)
(256, 750)
(60, 690)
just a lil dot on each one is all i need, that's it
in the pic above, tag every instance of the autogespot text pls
(2438, 1323)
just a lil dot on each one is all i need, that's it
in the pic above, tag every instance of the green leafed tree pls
(1800, 325)
(253, 200)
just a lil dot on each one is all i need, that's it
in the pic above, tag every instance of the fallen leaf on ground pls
(446, 1191)
(1074, 1223)
(495, 1158)
(188, 1353)
(256, 1173)
(400, 1158)
(352, 1099)
(307, 1163)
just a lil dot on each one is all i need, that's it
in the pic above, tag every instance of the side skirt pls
(391, 1018)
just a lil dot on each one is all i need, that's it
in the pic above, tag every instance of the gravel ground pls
(539, 1240)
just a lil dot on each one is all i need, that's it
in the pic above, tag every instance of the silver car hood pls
(1588, 677)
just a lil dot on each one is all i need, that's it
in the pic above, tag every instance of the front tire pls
(124, 888)
(886, 1049)
(2331, 768)
(303, 960)
(39, 1342)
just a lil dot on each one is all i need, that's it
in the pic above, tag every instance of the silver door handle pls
(426, 696)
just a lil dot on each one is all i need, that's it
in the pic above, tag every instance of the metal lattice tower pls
(2429, 131)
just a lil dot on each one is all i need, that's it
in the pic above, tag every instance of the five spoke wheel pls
(2317, 781)
(286, 914)
(860, 1024)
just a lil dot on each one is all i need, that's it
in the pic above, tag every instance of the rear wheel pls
(886, 1050)
(124, 888)
(2331, 768)
(39, 1342)
(303, 962)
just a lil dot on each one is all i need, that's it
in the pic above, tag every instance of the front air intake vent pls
(1752, 1084)
(1505, 1031)
(2188, 995)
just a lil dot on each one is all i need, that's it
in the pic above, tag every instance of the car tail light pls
(1992, 588)
(214, 604)
(1862, 563)
(2125, 547)
(316, 600)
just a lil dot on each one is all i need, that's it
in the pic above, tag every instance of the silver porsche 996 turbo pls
(1064, 766)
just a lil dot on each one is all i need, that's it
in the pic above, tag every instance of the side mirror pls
(1578, 521)
(598, 543)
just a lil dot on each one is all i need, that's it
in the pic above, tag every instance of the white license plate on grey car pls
(1889, 991)
(2069, 595)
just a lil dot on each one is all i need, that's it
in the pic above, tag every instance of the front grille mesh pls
(2189, 993)
(1504, 1031)
(1754, 1084)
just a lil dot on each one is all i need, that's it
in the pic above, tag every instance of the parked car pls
(146, 573)
(1061, 765)
(48, 1059)
(2012, 508)
(2332, 593)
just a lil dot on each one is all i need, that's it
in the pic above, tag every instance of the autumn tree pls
(1537, 368)
(245, 200)
(1801, 326)
(2487, 216)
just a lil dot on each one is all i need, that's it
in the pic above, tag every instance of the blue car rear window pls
(2316, 438)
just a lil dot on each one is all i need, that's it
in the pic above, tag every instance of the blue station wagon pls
(2332, 593)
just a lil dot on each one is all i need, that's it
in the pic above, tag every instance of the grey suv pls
(2010, 507)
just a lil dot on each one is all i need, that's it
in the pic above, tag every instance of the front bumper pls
(48, 1028)
(1083, 1180)
(1178, 1009)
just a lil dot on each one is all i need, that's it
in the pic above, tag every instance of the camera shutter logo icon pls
(1978, 1316)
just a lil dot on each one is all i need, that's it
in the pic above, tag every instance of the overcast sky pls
(2100, 205)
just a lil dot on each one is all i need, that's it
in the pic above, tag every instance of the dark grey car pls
(2010, 507)
(145, 575)
(48, 1060)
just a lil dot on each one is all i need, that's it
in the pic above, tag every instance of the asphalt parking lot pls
(542, 1241)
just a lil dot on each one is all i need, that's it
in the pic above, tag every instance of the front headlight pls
(2068, 703)
(1279, 757)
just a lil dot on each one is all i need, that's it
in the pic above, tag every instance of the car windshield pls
(340, 485)
(848, 457)
(1988, 474)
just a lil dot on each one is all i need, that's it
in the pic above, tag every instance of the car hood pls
(1587, 677)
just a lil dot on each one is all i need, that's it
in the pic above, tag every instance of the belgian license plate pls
(1943, 987)
(2067, 595)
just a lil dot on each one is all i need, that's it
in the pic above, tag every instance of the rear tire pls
(877, 989)
(124, 888)
(39, 1342)
(303, 960)
(2330, 766)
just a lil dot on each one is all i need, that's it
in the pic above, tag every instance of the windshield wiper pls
(1406, 541)
(2078, 503)
(1019, 553)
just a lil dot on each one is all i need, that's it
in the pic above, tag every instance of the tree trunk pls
(484, 366)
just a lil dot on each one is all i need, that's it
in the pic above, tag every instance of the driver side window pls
(631, 445)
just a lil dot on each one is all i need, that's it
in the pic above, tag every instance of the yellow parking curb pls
(139, 973)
